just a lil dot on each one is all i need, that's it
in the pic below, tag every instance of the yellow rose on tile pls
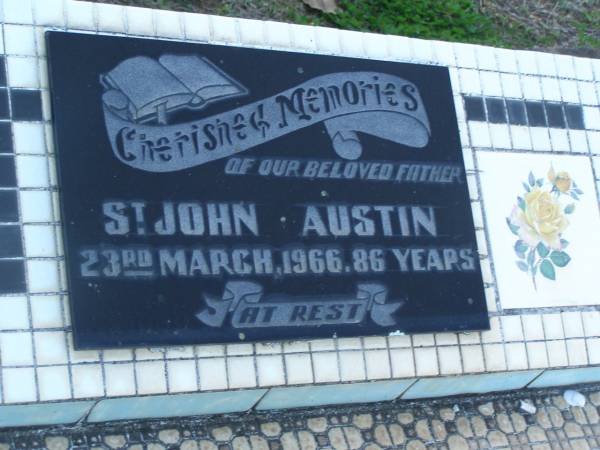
(562, 180)
(542, 219)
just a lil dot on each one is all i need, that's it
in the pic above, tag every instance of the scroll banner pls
(243, 299)
(374, 103)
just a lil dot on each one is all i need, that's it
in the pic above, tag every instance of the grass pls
(554, 24)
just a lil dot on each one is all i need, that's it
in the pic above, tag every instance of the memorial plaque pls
(223, 194)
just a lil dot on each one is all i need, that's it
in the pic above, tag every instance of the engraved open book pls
(143, 89)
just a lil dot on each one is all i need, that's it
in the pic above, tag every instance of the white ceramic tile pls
(533, 327)
(148, 354)
(591, 323)
(587, 93)
(527, 62)
(570, 265)
(377, 364)
(516, 356)
(352, 365)
(511, 85)
(553, 327)
(119, 379)
(446, 339)
(80, 15)
(594, 141)
(491, 84)
(469, 81)
(578, 139)
(252, 31)
(507, 60)
(399, 341)
(118, 355)
(241, 372)
(278, 34)
(110, 17)
(240, 349)
(270, 370)
(349, 344)
(54, 383)
(591, 117)
(322, 345)
(465, 55)
(480, 134)
(298, 368)
(150, 377)
(180, 352)
(350, 42)
(494, 357)
(520, 137)
(565, 66)
(22, 72)
(572, 324)
(16, 348)
(449, 360)
(168, 24)
(327, 40)
(375, 45)
(14, 313)
(500, 136)
(423, 340)
(593, 346)
(559, 139)
(557, 353)
(19, 40)
(49, 12)
(372, 342)
(399, 48)
(422, 51)
(576, 352)
(402, 363)
(569, 91)
(536, 353)
(212, 373)
(42, 276)
(494, 334)
(472, 356)
(540, 138)
(50, 347)
(486, 58)
(205, 351)
(35, 206)
(512, 329)
(140, 21)
(325, 365)
(28, 137)
(583, 68)
(531, 87)
(87, 380)
(18, 11)
(224, 29)
(426, 361)
(32, 171)
(444, 53)
(182, 376)
(46, 311)
(18, 385)
(550, 89)
(546, 64)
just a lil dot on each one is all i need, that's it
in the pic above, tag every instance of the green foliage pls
(450, 20)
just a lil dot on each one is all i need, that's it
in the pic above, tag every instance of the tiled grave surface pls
(525, 112)
(460, 424)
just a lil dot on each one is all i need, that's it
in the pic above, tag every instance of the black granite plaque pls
(217, 194)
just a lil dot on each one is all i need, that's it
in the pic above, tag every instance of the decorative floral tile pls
(543, 223)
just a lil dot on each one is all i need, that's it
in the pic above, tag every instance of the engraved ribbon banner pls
(243, 300)
(374, 103)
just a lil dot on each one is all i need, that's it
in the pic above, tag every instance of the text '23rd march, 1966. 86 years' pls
(214, 193)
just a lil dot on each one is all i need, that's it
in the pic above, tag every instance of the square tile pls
(325, 365)
(10, 241)
(426, 361)
(29, 137)
(572, 324)
(536, 269)
(19, 40)
(46, 311)
(13, 279)
(16, 348)
(472, 357)
(87, 380)
(151, 377)
(26, 105)
(4, 111)
(8, 176)
(6, 140)
(557, 353)
(119, 379)
(475, 109)
(516, 356)
(39, 240)
(54, 383)
(181, 376)
(241, 372)
(536, 353)
(270, 370)
(449, 359)
(576, 352)
(43, 276)
(553, 327)
(32, 171)
(402, 361)
(212, 373)
(36, 206)
(494, 357)
(18, 385)
(298, 368)
(80, 15)
(377, 364)
(50, 347)
(14, 314)
(352, 365)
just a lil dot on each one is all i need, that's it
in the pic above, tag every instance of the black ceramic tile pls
(12, 280)
(4, 111)
(2, 71)
(9, 208)
(496, 110)
(26, 104)
(475, 109)
(8, 177)
(535, 114)
(261, 162)
(6, 141)
(516, 112)
(10, 241)
(555, 114)
(574, 115)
